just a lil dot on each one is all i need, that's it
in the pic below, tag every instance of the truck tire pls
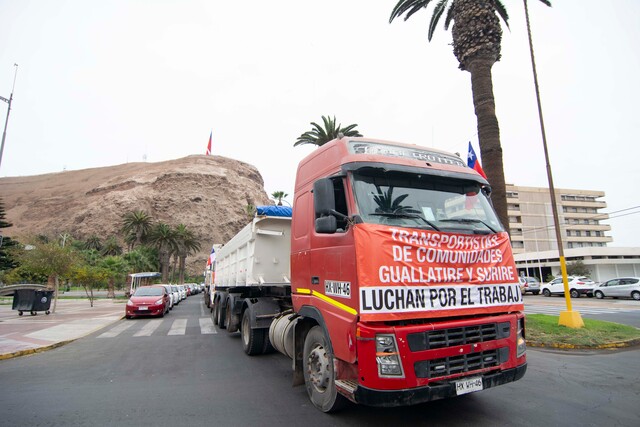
(222, 313)
(252, 339)
(214, 312)
(319, 375)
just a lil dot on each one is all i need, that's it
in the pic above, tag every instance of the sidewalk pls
(73, 319)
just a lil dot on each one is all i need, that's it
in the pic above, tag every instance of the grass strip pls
(543, 330)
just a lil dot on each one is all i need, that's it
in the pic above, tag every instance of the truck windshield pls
(424, 201)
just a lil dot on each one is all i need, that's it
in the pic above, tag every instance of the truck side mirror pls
(324, 203)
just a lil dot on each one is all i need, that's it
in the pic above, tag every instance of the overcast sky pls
(102, 83)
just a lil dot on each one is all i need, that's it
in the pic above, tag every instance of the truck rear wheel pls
(221, 312)
(252, 339)
(319, 375)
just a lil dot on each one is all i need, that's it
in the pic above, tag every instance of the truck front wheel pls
(319, 375)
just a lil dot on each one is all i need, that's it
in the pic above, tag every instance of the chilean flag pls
(212, 257)
(473, 162)
(208, 153)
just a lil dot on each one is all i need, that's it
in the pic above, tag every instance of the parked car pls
(621, 287)
(172, 297)
(176, 294)
(183, 292)
(148, 301)
(578, 285)
(529, 284)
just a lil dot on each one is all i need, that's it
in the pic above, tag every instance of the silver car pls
(621, 287)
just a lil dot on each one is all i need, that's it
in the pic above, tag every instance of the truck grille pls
(457, 364)
(451, 337)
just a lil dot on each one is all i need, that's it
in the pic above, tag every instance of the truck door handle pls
(315, 280)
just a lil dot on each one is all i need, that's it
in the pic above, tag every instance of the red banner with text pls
(406, 273)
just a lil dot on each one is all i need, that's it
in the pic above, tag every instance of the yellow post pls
(569, 318)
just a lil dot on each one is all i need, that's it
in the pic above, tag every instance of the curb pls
(19, 353)
(609, 346)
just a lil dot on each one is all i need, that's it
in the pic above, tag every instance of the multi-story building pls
(531, 219)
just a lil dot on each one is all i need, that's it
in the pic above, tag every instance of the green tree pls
(115, 268)
(162, 237)
(136, 223)
(142, 258)
(7, 260)
(111, 247)
(279, 195)
(577, 268)
(51, 260)
(93, 242)
(89, 277)
(320, 136)
(477, 37)
(186, 244)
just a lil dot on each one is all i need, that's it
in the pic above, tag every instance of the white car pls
(578, 285)
(172, 297)
(183, 292)
(623, 287)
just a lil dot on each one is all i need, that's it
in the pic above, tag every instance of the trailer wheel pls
(215, 308)
(252, 339)
(319, 375)
(221, 314)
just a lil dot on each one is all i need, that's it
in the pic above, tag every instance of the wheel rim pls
(318, 368)
(599, 295)
(245, 331)
(636, 296)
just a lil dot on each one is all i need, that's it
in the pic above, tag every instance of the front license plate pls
(469, 385)
(143, 308)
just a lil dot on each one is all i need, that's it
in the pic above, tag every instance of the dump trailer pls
(391, 281)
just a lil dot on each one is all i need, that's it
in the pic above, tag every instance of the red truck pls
(392, 283)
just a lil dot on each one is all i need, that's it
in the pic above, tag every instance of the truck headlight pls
(387, 356)
(521, 344)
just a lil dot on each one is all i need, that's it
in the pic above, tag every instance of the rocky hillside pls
(209, 194)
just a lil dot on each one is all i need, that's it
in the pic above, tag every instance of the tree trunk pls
(489, 133)
(111, 289)
(181, 269)
(56, 287)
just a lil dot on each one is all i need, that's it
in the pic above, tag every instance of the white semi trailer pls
(252, 278)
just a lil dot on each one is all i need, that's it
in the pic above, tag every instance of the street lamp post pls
(6, 122)
(569, 318)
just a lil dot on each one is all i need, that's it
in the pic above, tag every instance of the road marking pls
(206, 326)
(178, 327)
(116, 330)
(149, 328)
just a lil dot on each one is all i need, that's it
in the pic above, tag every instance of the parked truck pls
(391, 281)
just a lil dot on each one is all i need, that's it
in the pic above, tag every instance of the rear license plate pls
(143, 308)
(469, 385)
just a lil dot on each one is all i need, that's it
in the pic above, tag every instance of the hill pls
(209, 194)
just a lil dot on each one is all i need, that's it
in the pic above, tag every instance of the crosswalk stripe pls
(116, 330)
(178, 327)
(206, 326)
(149, 328)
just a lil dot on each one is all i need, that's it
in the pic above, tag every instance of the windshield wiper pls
(470, 221)
(406, 215)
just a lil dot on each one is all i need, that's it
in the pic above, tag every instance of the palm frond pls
(437, 13)
(502, 11)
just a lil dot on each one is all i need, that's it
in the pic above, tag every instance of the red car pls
(148, 301)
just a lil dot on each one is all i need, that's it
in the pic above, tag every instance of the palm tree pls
(320, 136)
(93, 242)
(187, 244)
(162, 236)
(136, 223)
(476, 36)
(115, 268)
(141, 259)
(279, 195)
(111, 247)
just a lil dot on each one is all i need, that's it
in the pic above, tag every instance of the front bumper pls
(390, 398)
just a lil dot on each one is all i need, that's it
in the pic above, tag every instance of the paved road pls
(179, 370)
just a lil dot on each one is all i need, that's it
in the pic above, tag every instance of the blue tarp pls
(273, 211)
